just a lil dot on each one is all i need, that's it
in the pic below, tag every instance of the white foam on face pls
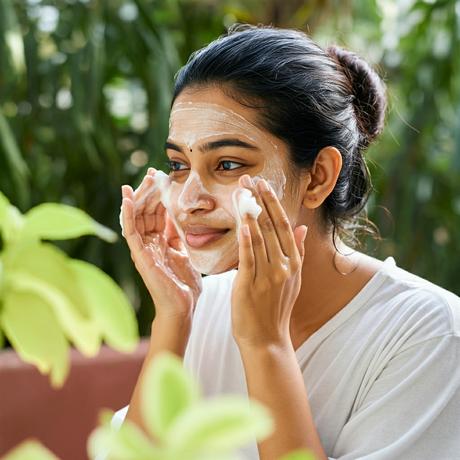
(243, 201)
(192, 191)
(221, 204)
(216, 116)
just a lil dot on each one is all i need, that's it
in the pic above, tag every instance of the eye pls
(227, 162)
(172, 166)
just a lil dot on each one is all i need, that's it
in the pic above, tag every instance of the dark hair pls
(310, 98)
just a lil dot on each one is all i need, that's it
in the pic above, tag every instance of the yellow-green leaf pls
(35, 333)
(220, 425)
(49, 264)
(109, 307)
(300, 454)
(2, 336)
(11, 220)
(168, 391)
(30, 449)
(83, 333)
(126, 443)
(55, 221)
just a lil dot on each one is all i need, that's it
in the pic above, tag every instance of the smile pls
(200, 240)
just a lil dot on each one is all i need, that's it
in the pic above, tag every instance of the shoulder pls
(420, 306)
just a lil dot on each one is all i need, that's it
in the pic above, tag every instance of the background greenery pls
(85, 89)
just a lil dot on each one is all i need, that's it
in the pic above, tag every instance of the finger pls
(257, 242)
(267, 228)
(171, 234)
(126, 191)
(279, 218)
(144, 192)
(247, 263)
(132, 236)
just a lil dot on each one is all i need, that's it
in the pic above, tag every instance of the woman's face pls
(212, 142)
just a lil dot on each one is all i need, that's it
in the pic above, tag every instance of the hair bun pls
(368, 90)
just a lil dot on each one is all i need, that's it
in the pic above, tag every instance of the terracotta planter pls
(62, 419)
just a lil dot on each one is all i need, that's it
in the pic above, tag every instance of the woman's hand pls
(158, 252)
(269, 272)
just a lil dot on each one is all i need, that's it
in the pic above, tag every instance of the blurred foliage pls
(48, 299)
(85, 90)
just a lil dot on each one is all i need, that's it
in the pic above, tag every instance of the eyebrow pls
(213, 145)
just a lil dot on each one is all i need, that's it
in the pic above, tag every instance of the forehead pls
(209, 112)
(214, 95)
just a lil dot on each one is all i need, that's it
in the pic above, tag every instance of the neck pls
(329, 281)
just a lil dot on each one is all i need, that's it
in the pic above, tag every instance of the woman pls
(355, 357)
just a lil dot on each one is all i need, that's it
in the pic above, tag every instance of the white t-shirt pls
(382, 376)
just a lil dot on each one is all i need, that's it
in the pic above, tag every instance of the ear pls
(323, 177)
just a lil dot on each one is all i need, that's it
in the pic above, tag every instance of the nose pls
(194, 195)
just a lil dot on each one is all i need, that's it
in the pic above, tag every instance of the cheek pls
(221, 195)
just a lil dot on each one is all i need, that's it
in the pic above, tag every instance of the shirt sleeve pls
(412, 410)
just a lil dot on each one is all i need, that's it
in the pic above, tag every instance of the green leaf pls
(55, 221)
(219, 425)
(83, 333)
(109, 306)
(2, 336)
(126, 443)
(30, 449)
(11, 220)
(35, 333)
(49, 264)
(168, 391)
(300, 454)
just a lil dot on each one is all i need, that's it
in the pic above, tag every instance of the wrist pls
(263, 348)
(170, 333)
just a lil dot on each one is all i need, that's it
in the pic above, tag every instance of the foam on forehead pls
(216, 117)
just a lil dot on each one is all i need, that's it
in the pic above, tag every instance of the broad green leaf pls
(35, 333)
(1, 282)
(49, 264)
(109, 306)
(168, 391)
(219, 425)
(126, 443)
(83, 333)
(30, 449)
(55, 221)
(299, 455)
(11, 220)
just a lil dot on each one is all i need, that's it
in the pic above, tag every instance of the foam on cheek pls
(273, 173)
(186, 197)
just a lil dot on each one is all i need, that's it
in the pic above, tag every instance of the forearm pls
(274, 378)
(166, 335)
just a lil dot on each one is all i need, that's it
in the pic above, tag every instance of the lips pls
(199, 235)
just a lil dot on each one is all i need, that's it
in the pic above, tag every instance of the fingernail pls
(264, 185)
(246, 180)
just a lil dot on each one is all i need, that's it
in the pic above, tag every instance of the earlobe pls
(323, 177)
